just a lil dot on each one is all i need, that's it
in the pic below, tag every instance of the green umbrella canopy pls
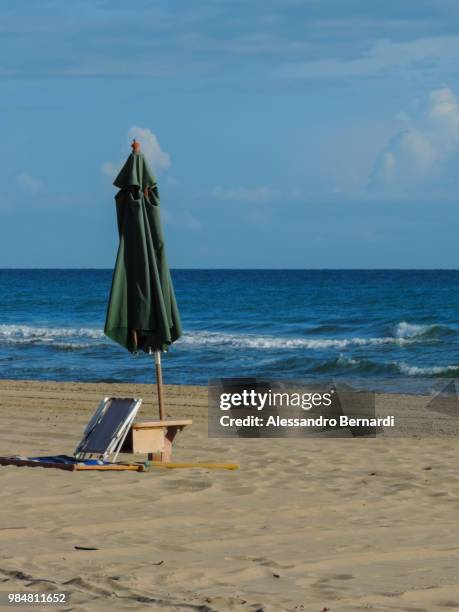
(142, 312)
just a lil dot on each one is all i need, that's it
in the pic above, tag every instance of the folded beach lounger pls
(105, 433)
(101, 443)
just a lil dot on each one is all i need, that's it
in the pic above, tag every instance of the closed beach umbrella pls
(142, 313)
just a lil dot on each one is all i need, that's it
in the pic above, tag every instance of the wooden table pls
(154, 438)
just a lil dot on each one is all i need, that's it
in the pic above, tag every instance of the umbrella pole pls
(159, 382)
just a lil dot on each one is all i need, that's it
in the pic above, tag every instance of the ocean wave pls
(347, 362)
(71, 346)
(410, 370)
(405, 330)
(80, 338)
(58, 337)
(344, 363)
(276, 342)
(410, 330)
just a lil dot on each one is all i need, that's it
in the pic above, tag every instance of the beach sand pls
(304, 524)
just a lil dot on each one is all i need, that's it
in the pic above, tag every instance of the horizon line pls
(315, 269)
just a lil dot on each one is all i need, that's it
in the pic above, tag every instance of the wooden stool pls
(154, 438)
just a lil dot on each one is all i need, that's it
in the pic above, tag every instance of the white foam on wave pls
(28, 334)
(71, 346)
(410, 370)
(276, 342)
(345, 360)
(411, 330)
(84, 337)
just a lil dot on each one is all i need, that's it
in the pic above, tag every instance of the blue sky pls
(312, 134)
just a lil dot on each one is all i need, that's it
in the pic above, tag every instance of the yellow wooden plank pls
(110, 468)
(205, 466)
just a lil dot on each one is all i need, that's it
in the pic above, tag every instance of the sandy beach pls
(305, 524)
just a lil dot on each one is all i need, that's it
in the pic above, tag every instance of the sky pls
(283, 133)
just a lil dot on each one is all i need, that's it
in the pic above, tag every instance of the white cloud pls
(420, 154)
(110, 169)
(256, 195)
(182, 219)
(243, 194)
(150, 147)
(384, 57)
(159, 159)
(29, 183)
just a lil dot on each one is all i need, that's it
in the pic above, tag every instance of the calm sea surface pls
(387, 327)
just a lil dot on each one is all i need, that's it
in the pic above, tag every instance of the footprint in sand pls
(265, 562)
(187, 486)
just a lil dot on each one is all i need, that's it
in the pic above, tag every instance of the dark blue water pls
(392, 327)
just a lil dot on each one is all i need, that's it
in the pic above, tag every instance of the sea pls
(393, 330)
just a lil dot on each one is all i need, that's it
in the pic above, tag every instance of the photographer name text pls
(319, 422)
